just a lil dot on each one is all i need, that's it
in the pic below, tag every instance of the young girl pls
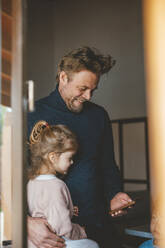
(52, 149)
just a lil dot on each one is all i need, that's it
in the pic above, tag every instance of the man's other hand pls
(41, 234)
(119, 200)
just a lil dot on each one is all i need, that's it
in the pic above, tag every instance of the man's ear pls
(63, 78)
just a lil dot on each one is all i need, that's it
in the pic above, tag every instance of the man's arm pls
(41, 235)
(111, 175)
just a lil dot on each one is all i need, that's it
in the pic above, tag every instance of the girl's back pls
(49, 197)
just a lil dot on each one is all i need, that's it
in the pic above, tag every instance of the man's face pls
(78, 89)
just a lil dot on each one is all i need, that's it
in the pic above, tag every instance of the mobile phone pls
(122, 208)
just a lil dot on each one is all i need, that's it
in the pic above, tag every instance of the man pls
(93, 180)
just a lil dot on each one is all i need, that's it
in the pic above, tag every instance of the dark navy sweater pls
(94, 178)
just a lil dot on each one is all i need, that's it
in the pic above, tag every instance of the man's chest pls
(88, 127)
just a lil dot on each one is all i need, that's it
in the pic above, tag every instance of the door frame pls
(19, 110)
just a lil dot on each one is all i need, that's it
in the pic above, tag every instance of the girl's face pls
(62, 162)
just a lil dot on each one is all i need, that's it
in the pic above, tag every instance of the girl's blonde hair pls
(45, 139)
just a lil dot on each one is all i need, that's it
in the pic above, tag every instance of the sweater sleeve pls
(59, 212)
(111, 175)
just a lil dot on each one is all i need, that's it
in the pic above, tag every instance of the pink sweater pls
(49, 197)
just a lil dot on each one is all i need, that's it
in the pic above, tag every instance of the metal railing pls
(121, 123)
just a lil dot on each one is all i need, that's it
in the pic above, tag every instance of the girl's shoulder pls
(52, 190)
(47, 184)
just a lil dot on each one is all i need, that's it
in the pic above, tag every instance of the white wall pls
(113, 27)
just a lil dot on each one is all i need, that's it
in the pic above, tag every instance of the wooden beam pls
(154, 46)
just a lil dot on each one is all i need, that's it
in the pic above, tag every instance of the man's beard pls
(75, 108)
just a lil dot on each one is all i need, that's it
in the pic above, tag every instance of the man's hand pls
(119, 200)
(41, 234)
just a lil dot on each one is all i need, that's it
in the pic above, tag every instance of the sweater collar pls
(45, 177)
(57, 101)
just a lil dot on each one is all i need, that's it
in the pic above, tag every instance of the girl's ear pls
(52, 157)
